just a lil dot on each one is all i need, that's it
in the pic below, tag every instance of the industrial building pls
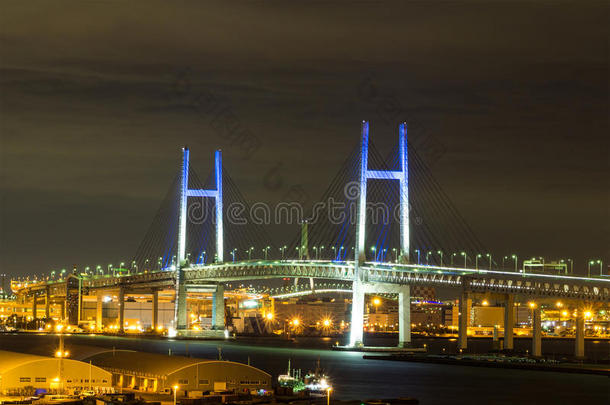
(22, 374)
(161, 373)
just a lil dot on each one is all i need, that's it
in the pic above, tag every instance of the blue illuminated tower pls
(185, 192)
(402, 176)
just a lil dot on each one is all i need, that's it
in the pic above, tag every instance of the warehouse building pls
(160, 373)
(22, 374)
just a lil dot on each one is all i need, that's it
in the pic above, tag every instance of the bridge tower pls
(185, 192)
(402, 176)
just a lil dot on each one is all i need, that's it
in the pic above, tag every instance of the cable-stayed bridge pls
(384, 225)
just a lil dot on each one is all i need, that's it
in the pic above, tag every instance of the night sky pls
(98, 97)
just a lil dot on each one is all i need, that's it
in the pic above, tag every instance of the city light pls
(376, 301)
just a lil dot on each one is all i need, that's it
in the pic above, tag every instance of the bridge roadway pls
(376, 277)
(473, 280)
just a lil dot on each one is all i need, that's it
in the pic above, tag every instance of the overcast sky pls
(97, 97)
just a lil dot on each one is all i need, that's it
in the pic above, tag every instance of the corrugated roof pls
(10, 360)
(147, 363)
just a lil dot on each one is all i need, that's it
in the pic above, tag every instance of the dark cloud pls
(95, 109)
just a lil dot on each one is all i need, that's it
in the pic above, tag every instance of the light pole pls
(418, 253)
(428, 257)
(489, 255)
(250, 252)
(395, 255)
(265, 250)
(383, 255)
(601, 266)
(334, 252)
(328, 390)
(233, 253)
(476, 261)
(374, 249)
(504, 261)
(465, 257)
(440, 253)
(516, 262)
(452, 256)
(283, 251)
(315, 249)
(175, 387)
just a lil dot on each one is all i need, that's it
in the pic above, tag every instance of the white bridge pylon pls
(402, 175)
(185, 192)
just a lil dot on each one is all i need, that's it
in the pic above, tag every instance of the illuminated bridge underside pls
(482, 281)
(472, 280)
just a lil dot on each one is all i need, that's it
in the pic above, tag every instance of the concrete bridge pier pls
(155, 309)
(218, 308)
(404, 316)
(464, 313)
(34, 307)
(98, 310)
(509, 321)
(180, 300)
(47, 303)
(579, 340)
(122, 309)
(536, 332)
(357, 322)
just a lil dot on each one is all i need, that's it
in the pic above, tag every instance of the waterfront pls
(356, 378)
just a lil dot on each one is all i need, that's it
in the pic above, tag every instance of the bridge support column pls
(98, 310)
(181, 315)
(121, 309)
(34, 307)
(463, 321)
(62, 310)
(404, 316)
(579, 340)
(357, 323)
(218, 308)
(509, 321)
(155, 309)
(47, 303)
(536, 332)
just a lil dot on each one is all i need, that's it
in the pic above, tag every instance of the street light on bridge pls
(465, 258)
(418, 256)
(428, 257)
(440, 253)
(374, 249)
(489, 255)
(516, 263)
(592, 262)
(476, 261)
(283, 251)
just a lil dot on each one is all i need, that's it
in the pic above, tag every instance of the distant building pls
(159, 373)
(22, 374)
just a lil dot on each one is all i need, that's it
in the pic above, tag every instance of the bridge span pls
(361, 274)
